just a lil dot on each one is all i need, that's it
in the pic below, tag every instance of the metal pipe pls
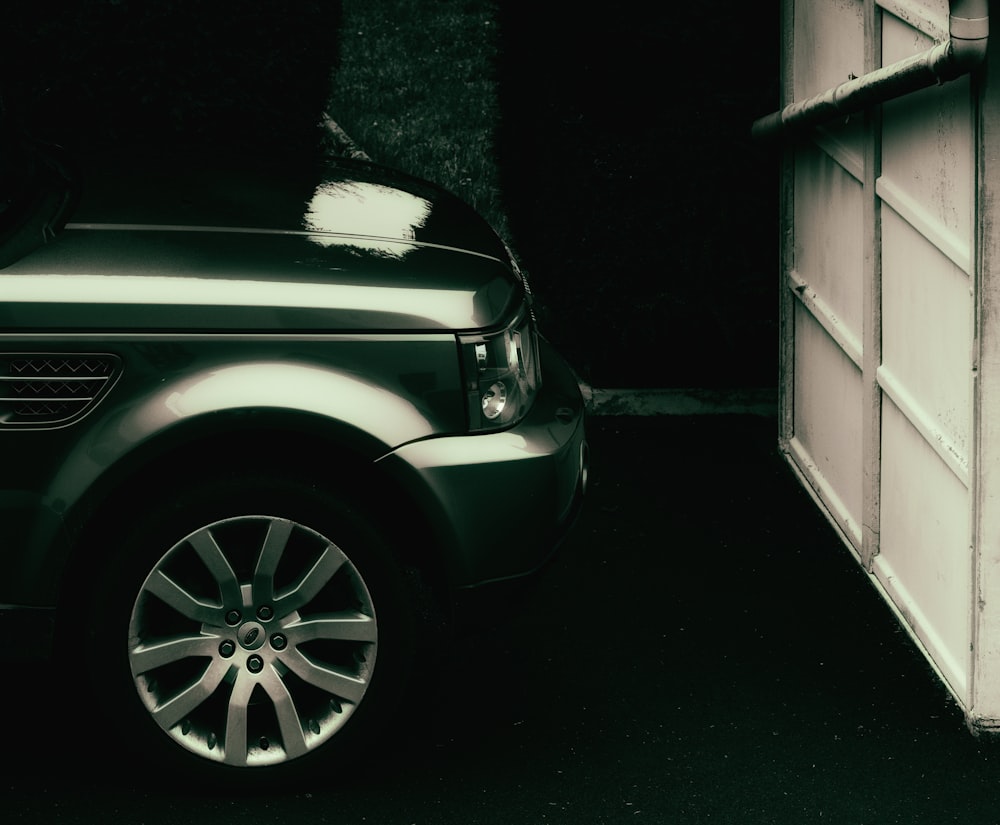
(965, 48)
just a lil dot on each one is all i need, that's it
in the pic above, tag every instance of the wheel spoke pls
(349, 627)
(236, 721)
(332, 681)
(145, 657)
(215, 560)
(267, 563)
(288, 717)
(180, 705)
(172, 594)
(325, 568)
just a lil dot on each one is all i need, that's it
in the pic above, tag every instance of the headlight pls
(501, 374)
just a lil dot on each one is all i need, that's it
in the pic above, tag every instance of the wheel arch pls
(247, 440)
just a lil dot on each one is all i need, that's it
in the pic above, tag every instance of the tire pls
(250, 626)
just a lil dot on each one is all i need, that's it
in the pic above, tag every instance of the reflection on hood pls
(366, 210)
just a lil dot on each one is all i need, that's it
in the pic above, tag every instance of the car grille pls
(48, 390)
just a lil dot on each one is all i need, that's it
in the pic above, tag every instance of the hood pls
(250, 248)
(339, 197)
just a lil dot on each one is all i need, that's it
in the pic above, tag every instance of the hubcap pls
(251, 636)
(252, 641)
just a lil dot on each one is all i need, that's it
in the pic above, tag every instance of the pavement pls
(702, 649)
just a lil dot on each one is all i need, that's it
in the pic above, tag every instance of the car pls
(266, 434)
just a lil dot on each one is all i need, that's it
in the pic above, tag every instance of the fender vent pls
(52, 390)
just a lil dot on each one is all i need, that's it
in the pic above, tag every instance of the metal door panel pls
(828, 239)
(828, 440)
(829, 44)
(925, 563)
(926, 330)
(886, 305)
(927, 16)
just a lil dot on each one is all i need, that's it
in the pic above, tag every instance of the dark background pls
(252, 75)
(644, 216)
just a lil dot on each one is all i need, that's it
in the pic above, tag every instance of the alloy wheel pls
(252, 640)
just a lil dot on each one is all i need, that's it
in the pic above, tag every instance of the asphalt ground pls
(702, 649)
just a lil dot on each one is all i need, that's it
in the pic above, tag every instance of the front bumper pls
(504, 500)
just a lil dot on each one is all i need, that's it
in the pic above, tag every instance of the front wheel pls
(251, 624)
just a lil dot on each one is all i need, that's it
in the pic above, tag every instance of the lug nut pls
(255, 664)
(279, 642)
(227, 648)
(233, 617)
(264, 613)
